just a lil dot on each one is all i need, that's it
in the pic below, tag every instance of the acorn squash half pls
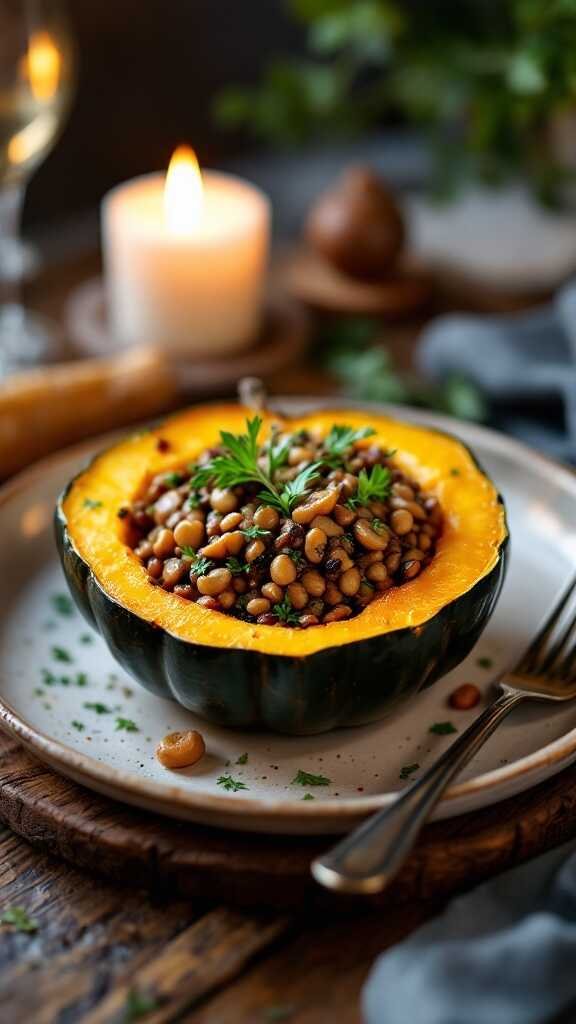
(288, 680)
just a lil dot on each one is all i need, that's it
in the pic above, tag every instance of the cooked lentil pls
(227, 550)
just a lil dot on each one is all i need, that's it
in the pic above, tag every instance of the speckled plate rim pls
(173, 800)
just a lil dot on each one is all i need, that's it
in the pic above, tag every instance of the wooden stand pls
(314, 282)
(139, 848)
(282, 342)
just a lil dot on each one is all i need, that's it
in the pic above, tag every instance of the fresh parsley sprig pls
(340, 440)
(285, 612)
(236, 567)
(200, 566)
(253, 532)
(278, 451)
(372, 486)
(239, 463)
(286, 499)
(296, 556)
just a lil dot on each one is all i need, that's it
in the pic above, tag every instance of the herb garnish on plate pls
(126, 725)
(442, 728)
(233, 785)
(308, 779)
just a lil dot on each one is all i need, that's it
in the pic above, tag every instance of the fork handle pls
(369, 858)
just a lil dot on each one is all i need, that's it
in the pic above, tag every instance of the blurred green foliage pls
(366, 371)
(484, 77)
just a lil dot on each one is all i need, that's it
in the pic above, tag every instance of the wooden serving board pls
(136, 847)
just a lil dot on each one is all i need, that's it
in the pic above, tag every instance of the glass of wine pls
(36, 78)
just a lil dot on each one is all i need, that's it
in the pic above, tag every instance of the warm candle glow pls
(43, 65)
(183, 192)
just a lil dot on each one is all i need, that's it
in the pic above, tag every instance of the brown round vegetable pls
(357, 225)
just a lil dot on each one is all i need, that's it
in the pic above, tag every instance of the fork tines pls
(552, 653)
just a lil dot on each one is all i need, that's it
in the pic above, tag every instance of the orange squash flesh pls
(468, 549)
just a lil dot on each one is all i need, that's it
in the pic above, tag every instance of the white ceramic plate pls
(363, 764)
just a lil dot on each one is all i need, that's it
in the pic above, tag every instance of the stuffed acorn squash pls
(290, 575)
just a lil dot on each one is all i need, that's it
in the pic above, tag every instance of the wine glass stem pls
(11, 200)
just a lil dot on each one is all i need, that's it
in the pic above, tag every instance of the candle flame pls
(183, 192)
(43, 65)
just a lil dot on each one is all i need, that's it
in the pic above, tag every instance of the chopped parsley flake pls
(86, 638)
(79, 726)
(442, 728)
(454, 471)
(62, 604)
(236, 567)
(200, 565)
(296, 556)
(127, 725)
(307, 779)
(227, 782)
(243, 759)
(408, 770)
(90, 503)
(286, 613)
(19, 919)
(307, 796)
(254, 531)
(484, 662)
(173, 479)
(95, 705)
(61, 654)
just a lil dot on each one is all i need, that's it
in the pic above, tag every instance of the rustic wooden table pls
(106, 952)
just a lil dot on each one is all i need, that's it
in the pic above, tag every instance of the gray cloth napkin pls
(527, 358)
(503, 954)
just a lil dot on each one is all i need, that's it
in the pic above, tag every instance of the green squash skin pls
(354, 684)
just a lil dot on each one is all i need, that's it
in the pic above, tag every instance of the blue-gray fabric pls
(503, 954)
(524, 358)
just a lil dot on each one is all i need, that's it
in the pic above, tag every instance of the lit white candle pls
(184, 259)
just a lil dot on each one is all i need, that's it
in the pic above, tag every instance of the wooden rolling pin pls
(47, 408)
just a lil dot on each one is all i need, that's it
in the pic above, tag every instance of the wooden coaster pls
(314, 282)
(281, 343)
(136, 847)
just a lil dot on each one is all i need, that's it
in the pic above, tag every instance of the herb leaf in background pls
(487, 83)
(366, 371)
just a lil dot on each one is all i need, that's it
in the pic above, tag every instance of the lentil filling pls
(297, 530)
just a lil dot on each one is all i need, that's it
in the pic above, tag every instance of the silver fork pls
(369, 858)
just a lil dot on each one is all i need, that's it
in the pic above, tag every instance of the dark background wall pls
(148, 70)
